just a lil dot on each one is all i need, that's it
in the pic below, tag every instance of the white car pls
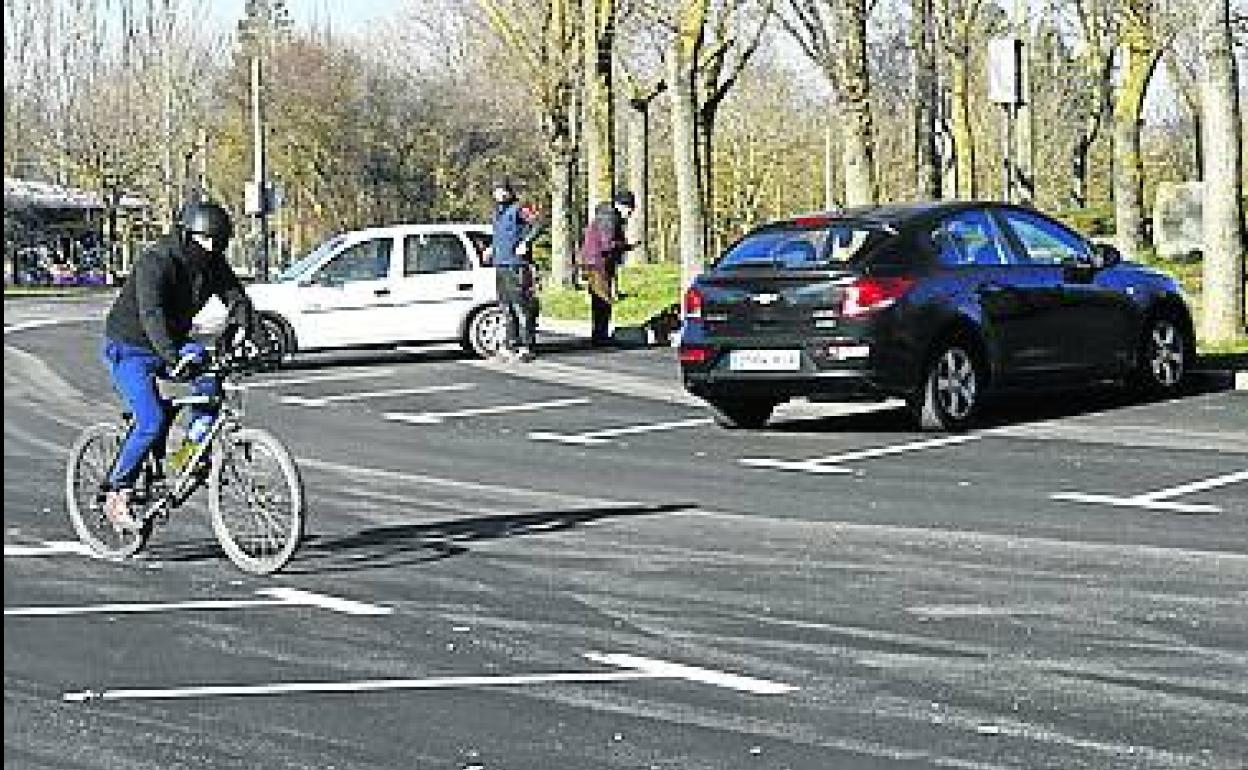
(381, 286)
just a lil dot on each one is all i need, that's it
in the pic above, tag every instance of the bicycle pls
(259, 524)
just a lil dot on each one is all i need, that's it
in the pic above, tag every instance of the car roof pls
(894, 216)
(421, 227)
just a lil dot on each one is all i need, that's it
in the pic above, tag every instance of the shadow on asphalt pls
(1012, 408)
(400, 545)
(569, 347)
(371, 357)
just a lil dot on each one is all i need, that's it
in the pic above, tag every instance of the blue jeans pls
(133, 370)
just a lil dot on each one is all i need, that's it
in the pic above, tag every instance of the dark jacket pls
(167, 286)
(513, 225)
(604, 244)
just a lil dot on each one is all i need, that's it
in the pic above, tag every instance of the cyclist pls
(147, 334)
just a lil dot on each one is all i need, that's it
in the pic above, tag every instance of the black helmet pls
(208, 218)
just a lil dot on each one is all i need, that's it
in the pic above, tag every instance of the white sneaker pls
(117, 509)
(524, 354)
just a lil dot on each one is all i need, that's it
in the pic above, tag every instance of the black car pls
(937, 303)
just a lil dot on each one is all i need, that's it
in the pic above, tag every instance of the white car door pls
(438, 287)
(349, 299)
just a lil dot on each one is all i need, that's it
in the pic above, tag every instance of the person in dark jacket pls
(147, 334)
(602, 253)
(515, 228)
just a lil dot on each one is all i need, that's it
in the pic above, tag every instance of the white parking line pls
(637, 668)
(355, 374)
(278, 597)
(832, 463)
(693, 673)
(1160, 500)
(54, 548)
(36, 323)
(433, 418)
(605, 435)
(365, 395)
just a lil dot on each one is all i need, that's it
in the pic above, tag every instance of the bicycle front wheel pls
(90, 461)
(255, 497)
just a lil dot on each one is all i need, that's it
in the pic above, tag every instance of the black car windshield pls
(798, 246)
(296, 269)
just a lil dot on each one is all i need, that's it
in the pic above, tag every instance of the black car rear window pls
(796, 247)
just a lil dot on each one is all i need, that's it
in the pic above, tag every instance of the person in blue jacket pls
(515, 228)
(147, 335)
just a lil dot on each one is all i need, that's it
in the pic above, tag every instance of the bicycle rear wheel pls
(255, 497)
(90, 461)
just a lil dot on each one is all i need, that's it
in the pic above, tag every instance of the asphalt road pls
(561, 565)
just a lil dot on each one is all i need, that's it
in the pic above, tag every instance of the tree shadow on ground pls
(400, 545)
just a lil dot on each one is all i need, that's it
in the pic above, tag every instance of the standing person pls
(602, 252)
(147, 335)
(515, 228)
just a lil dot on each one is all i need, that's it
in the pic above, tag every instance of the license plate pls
(765, 360)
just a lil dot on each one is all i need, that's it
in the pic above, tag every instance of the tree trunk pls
(1222, 316)
(706, 170)
(597, 47)
(692, 217)
(638, 176)
(963, 139)
(858, 144)
(1141, 54)
(926, 160)
(562, 227)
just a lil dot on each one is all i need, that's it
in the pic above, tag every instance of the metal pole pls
(1006, 178)
(262, 253)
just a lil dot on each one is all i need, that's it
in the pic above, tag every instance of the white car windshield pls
(299, 267)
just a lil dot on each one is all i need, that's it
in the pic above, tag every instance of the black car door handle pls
(464, 287)
(381, 292)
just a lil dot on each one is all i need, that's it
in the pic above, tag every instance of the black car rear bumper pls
(824, 385)
(818, 377)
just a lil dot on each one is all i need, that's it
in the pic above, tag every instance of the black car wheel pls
(1163, 356)
(748, 414)
(275, 340)
(951, 389)
(486, 332)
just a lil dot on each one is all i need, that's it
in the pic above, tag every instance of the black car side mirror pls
(1105, 255)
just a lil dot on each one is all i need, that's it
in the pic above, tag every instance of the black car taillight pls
(871, 294)
(693, 303)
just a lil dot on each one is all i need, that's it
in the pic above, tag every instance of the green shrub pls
(645, 291)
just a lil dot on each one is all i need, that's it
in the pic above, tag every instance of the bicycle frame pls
(164, 494)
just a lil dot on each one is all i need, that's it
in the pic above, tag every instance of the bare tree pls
(598, 49)
(956, 27)
(1139, 51)
(1098, 28)
(682, 76)
(543, 39)
(925, 100)
(640, 98)
(833, 34)
(1224, 247)
(732, 41)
